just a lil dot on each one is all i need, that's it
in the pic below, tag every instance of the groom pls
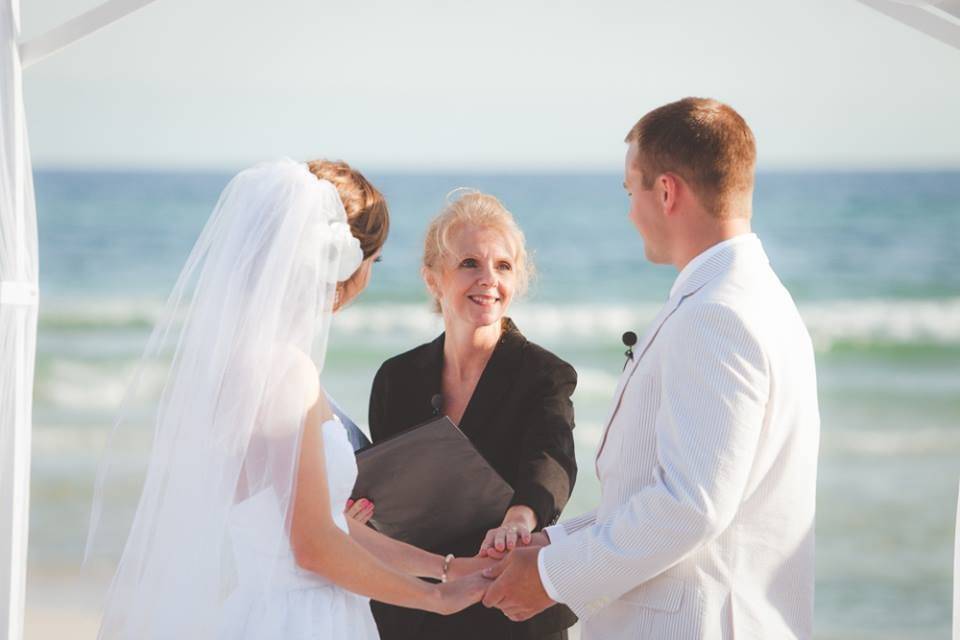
(709, 455)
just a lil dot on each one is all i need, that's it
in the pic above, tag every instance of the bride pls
(240, 532)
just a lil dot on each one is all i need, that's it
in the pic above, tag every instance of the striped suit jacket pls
(708, 461)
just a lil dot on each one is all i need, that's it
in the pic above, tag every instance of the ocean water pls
(873, 260)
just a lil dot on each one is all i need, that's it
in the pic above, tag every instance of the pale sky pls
(497, 85)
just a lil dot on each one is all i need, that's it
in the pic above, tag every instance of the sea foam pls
(867, 321)
(860, 322)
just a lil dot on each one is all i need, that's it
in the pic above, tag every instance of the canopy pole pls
(79, 27)
(939, 19)
(18, 321)
(20, 325)
(19, 290)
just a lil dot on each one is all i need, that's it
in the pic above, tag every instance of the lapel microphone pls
(629, 339)
(437, 403)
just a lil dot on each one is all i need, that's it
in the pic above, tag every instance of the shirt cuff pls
(545, 579)
(556, 533)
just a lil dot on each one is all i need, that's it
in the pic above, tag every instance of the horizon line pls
(490, 170)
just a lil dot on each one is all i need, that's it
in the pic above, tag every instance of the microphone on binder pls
(437, 403)
(629, 339)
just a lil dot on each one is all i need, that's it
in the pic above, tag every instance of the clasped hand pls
(514, 584)
(516, 588)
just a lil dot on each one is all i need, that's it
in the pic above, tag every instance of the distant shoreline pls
(920, 168)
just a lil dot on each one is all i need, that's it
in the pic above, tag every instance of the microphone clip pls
(437, 403)
(629, 339)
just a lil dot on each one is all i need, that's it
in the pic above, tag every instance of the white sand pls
(49, 623)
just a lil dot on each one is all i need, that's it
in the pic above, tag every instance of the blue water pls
(872, 259)
(830, 235)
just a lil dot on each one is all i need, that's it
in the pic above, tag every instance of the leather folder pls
(430, 485)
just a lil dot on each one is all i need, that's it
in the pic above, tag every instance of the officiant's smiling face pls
(477, 281)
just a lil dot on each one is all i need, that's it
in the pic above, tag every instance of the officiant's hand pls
(513, 532)
(517, 590)
(538, 539)
(359, 510)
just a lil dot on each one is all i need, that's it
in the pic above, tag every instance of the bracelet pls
(446, 567)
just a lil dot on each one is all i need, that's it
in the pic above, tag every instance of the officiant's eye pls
(505, 266)
(468, 263)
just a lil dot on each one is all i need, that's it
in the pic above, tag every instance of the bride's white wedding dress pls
(208, 552)
(299, 605)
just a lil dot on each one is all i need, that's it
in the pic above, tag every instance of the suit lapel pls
(424, 386)
(719, 263)
(638, 354)
(496, 379)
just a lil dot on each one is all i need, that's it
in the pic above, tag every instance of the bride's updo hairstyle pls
(365, 206)
(467, 207)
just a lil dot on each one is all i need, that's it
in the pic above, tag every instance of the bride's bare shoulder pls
(299, 371)
(293, 388)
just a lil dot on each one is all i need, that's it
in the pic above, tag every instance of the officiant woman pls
(509, 396)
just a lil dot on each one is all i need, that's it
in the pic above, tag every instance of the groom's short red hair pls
(703, 141)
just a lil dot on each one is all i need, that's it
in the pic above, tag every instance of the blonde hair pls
(469, 207)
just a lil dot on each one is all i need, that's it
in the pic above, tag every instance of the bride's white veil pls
(250, 310)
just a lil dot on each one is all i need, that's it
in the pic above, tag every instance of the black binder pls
(430, 485)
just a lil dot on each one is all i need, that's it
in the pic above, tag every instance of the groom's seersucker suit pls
(708, 461)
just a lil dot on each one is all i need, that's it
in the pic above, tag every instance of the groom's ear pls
(668, 193)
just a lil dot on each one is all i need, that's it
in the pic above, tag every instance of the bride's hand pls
(360, 510)
(459, 594)
(461, 567)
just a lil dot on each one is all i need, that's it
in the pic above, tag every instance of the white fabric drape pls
(956, 577)
(79, 27)
(938, 19)
(19, 290)
(18, 325)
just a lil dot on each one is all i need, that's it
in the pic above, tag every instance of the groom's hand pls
(517, 590)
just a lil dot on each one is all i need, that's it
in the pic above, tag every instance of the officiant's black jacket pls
(520, 418)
